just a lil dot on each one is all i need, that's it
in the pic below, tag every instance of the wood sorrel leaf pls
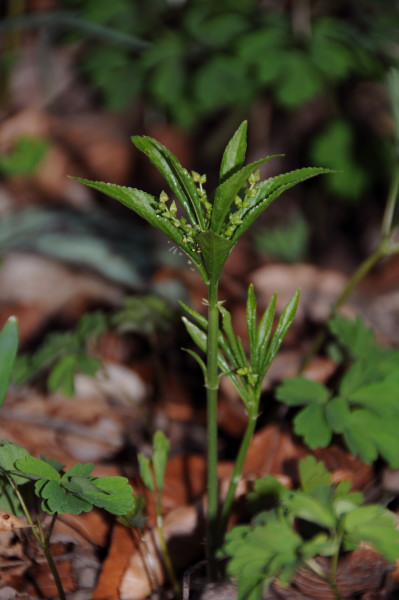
(37, 468)
(375, 525)
(234, 154)
(161, 447)
(8, 352)
(56, 499)
(312, 509)
(312, 425)
(179, 180)
(9, 454)
(337, 414)
(299, 390)
(269, 190)
(313, 474)
(113, 494)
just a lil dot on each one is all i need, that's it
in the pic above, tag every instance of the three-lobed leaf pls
(73, 491)
(274, 547)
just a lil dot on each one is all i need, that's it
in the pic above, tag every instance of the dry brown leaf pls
(42, 288)
(360, 572)
(8, 522)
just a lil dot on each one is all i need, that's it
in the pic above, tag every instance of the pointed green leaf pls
(145, 472)
(179, 180)
(62, 376)
(8, 353)
(299, 391)
(251, 317)
(201, 320)
(227, 191)
(147, 207)
(235, 353)
(200, 338)
(263, 334)
(199, 361)
(234, 154)
(161, 446)
(312, 425)
(283, 325)
(215, 251)
(269, 190)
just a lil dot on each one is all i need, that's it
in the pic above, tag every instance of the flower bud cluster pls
(236, 216)
(199, 180)
(247, 372)
(170, 213)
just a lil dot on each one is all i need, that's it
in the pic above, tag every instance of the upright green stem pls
(53, 569)
(235, 477)
(313, 566)
(164, 549)
(212, 385)
(42, 539)
(393, 192)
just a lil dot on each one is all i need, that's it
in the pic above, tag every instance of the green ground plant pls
(207, 229)
(62, 355)
(318, 519)
(35, 487)
(177, 60)
(362, 407)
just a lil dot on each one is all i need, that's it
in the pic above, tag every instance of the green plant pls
(362, 408)
(74, 491)
(63, 355)
(318, 519)
(24, 477)
(288, 243)
(207, 231)
(152, 472)
(25, 157)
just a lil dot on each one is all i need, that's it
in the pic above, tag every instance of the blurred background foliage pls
(310, 75)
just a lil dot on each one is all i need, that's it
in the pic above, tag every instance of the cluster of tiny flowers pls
(235, 217)
(169, 212)
(199, 180)
(247, 372)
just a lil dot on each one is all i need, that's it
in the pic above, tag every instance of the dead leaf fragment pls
(9, 522)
